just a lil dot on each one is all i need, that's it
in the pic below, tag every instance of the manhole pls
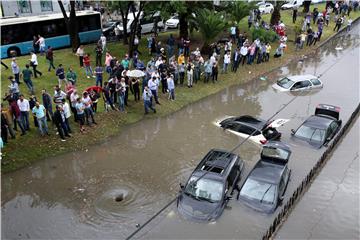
(119, 198)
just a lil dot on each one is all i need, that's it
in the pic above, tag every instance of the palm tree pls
(210, 24)
(240, 9)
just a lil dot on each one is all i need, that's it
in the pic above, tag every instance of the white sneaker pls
(87, 76)
(63, 140)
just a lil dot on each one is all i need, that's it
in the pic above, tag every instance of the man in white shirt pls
(153, 86)
(24, 107)
(103, 42)
(15, 70)
(227, 60)
(41, 43)
(67, 113)
(34, 64)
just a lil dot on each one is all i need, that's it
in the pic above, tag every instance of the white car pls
(261, 131)
(298, 83)
(172, 22)
(266, 7)
(292, 4)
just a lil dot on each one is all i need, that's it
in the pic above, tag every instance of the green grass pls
(30, 148)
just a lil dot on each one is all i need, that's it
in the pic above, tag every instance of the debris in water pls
(338, 48)
(137, 225)
(249, 72)
(263, 78)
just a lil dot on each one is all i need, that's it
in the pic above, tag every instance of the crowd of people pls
(170, 63)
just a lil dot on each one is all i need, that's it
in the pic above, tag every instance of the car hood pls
(172, 21)
(258, 206)
(288, 5)
(279, 88)
(198, 210)
(306, 142)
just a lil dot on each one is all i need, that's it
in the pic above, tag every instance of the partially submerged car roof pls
(216, 161)
(273, 158)
(267, 171)
(298, 78)
(318, 122)
(255, 122)
(328, 110)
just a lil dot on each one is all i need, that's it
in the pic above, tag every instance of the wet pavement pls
(105, 191)
(330, 208)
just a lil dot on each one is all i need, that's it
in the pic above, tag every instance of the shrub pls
(263, 34)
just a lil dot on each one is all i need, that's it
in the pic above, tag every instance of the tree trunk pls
(184, 26)
(206, 49)
(134, 29)
(275, 16)
(306, 6)
(71, 25)
(124, 23)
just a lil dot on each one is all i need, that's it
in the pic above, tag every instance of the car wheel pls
(13, 52)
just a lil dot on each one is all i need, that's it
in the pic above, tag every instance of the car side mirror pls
(181, 186)
(292, 131)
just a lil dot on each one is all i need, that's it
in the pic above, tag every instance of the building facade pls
(11, 8)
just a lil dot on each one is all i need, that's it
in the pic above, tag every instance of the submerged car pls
(210, 186)
(265, 186)
(320, 128)
(258, 130)
(298, 83)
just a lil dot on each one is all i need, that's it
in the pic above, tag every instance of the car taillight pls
(263, 141)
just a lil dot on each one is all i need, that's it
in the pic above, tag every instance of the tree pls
(275, 16)
(135, 25)
(239, 10)
(154, 7)
(71, 25)
(123, 7)
(210, 24)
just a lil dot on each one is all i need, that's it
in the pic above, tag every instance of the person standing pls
(294, 14)
(73, 100)
(98, 52)
(34, 64)
(59, 120)
(71, 76)
(59, 95)
(50, 58)
(135, 84)
(60, 73)
(88, 69)
(227, 59)
(67, 113)
(190, 74)
(182, 73)
(243, 53)
(88, 110)
(14, 88)
(41, 43)
(15, 110)
(39, 113)
(348, 27)
(32, 103)
(26, 75)
(171, 87)
(215, 71)
(80, 53)
(236, 60)
(99, 75)
(80, 107)
(15, 70)
(121, 89)
(338, 24)
(187, 47)
(103, 42)
(47, 103)
(153, 86)
(170, 42)
(147, 96)
(35, 44)
(4, 128)
(24, 107)
(208, 70)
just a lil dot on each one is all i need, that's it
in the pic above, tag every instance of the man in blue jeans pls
(24, 107)
(147, 95)
(39, 112)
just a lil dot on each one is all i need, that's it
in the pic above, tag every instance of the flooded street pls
(105, 191)
(333, 198)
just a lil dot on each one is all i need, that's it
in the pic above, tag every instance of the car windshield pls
(311, 133)
(272, 152)
(285, 83)
(259, 190)
(204, 189)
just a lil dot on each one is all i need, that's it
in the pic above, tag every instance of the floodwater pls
(105, 191)
(330, 208)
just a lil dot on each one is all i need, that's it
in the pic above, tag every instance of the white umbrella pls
(135, 73)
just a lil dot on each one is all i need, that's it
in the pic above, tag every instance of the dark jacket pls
(46, 99)
(57, 118)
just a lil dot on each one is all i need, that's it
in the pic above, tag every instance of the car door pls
(331, 131)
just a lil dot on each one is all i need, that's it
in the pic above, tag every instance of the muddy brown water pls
(105, 191)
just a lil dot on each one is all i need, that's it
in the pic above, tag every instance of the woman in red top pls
(88, 69)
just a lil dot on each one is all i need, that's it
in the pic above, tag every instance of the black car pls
(265, 186)
(210, 186)
(320, 128)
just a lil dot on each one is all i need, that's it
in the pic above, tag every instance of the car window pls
(297, 85)
(310, 133)
(232, 126)
(285, 83)
(332, 128)
(315, 82)
(272, 152)
(305, 83)
(258, 190)
(245, 129)
(204, 188)
(233, 174)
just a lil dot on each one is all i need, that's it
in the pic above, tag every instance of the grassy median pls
(26, 149)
